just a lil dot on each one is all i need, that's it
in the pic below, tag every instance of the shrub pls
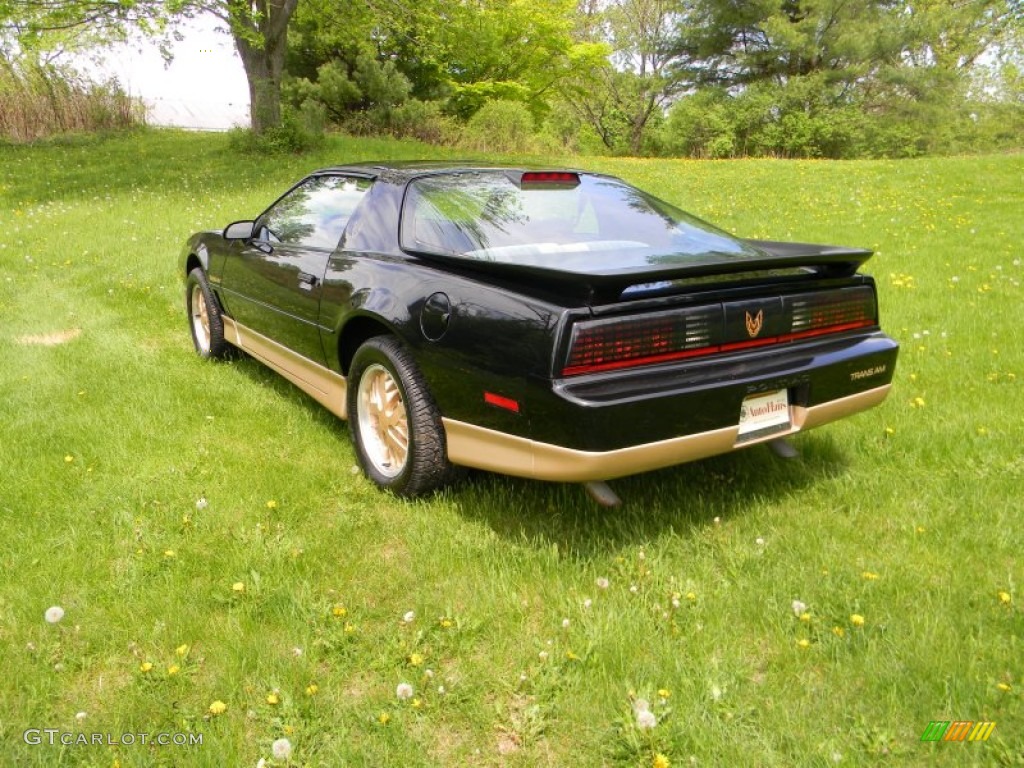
(500, 126)
(298, 132)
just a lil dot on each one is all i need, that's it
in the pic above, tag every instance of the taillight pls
(820, 313)
(616, 343)
(603, 345)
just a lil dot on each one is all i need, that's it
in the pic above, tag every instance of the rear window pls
(596, 221)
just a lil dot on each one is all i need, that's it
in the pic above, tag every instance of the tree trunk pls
(262, 41)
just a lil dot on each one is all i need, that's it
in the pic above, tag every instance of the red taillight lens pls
(820, 313)
(616, 343)
(603, 345)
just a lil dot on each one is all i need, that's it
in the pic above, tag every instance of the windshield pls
(575, 223)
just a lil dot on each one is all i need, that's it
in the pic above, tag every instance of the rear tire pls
(396, 427)
(205, 318)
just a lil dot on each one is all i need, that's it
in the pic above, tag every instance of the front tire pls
(395, 425)
(204, 317)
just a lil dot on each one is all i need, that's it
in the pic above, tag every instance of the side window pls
(315, 213)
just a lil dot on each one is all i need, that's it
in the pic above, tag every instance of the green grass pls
(908, 515)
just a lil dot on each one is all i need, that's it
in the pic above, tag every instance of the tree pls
(260, 32)
(259, 29)
(643, 73)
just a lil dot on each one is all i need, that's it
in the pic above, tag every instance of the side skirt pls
(323, 385)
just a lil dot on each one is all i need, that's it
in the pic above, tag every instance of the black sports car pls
(557, 325)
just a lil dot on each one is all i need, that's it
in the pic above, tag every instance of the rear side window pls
(315, 213)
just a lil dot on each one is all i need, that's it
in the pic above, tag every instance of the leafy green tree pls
(641, 76)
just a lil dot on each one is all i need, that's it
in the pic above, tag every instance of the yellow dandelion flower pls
(664, 693)
(982, 431)
(416, 703)
(415, 659)
(857, 620)
(1004, 687)
(691, 596)
(571, 656)
(383, 718)
(350, 629)
(181, 650)
(288, 730)
(218, 707)
(661, 761)
(869, 575)
(173, 670)
(838, 631)
(238, 587)
(339, 611)
(889, 431)
(1004, 598)
(805, 617)
(920, 529)
(917, 402)
(311, 689)
(170, 553)
(273, 699)
(446, 622)
(146, 666)
(272, 504)
(803, 642)
(68, 459)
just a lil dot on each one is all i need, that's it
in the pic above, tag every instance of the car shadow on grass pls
(676, 499)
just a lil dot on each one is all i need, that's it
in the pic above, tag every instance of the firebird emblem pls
(754, 323)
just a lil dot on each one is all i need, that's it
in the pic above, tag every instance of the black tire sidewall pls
(218, 345)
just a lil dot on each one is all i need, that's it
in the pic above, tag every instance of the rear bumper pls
(495, 451)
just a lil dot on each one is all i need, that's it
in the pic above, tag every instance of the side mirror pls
(239, 230)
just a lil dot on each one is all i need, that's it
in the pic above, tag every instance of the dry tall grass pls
(38, 101)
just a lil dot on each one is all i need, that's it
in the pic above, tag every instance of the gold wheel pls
(200, 318)
(383, 422)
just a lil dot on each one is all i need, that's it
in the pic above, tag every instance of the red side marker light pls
(501, 402)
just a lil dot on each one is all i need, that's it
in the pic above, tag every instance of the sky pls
(203, 88)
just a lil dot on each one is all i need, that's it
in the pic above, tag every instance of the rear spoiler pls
(828, 261)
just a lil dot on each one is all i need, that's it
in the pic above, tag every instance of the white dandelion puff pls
(281, 749)
(202, 503)
(602, 582)
(403, 691)
(645, 719)
(799, 608)
(80, 717)
(409, 617)
(54, 614)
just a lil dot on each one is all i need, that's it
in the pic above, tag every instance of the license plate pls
(764, 414)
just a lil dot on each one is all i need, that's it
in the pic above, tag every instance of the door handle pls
(307, 280)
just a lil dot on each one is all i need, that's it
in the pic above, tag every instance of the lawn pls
(225, 572)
